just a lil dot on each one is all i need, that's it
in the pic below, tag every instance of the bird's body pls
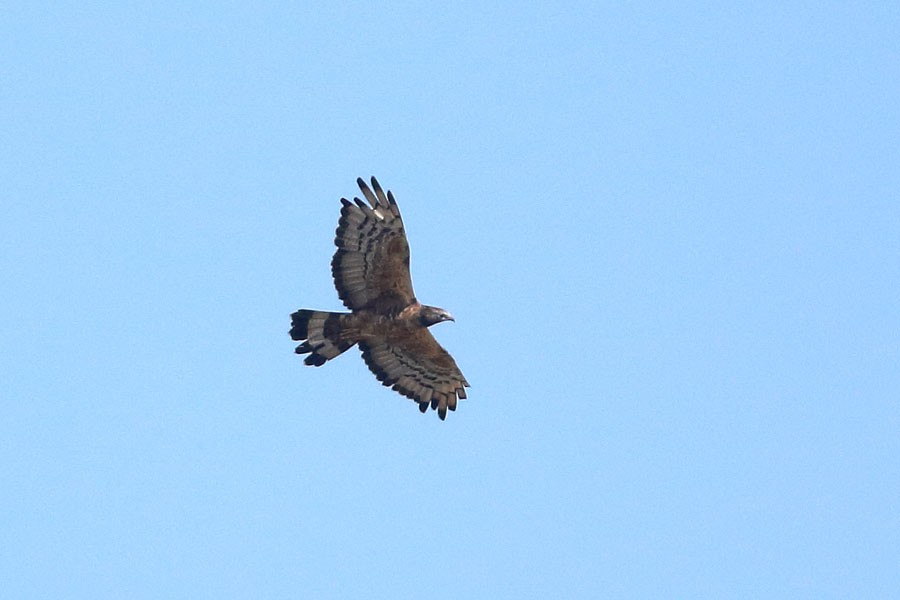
(371, 274)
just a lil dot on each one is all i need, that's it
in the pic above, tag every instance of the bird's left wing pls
(415, 365)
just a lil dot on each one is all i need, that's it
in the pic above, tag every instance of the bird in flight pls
(371, 274)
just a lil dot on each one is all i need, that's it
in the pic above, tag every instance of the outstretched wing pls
(371, 265)
(418, 367)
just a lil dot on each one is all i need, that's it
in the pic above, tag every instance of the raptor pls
(387, 322)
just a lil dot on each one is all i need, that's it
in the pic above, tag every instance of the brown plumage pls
(371, 274)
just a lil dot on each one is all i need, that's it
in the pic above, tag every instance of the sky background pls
(669, 232)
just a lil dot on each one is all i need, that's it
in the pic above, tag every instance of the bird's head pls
(429, 315)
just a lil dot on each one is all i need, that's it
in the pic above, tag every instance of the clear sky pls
(670, 235)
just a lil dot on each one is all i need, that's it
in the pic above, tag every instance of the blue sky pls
(670, 234)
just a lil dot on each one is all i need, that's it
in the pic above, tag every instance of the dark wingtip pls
(360, 182)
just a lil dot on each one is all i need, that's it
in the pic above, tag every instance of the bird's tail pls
(326, 333)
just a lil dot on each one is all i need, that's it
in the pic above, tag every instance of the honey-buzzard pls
(371, 274)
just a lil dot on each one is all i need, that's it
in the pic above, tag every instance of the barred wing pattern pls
(371, 274)
(416, 366)
(371, 265)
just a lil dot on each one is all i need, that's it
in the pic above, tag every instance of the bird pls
(371, 273)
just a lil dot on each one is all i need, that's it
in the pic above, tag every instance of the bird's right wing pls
(371, 264)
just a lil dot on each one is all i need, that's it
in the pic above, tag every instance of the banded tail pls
(325, 333)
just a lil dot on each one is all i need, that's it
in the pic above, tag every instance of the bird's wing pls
(371, 264)
(415, 365)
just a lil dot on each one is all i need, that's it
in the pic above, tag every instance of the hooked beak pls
(449, 317)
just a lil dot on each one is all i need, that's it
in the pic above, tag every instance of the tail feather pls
(325, 335)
